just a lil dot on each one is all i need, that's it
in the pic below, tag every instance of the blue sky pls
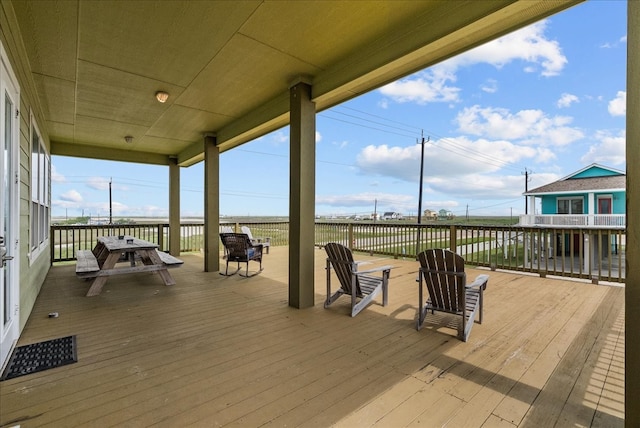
(549, 99)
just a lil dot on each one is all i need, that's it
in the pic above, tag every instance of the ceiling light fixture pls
(128, 139)
(162, 96)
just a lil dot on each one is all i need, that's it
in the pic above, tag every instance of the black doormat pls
(41, 356)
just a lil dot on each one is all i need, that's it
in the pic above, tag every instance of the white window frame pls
(570, 198)
(39, 195)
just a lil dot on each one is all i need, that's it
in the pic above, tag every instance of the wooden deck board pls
(229, 351)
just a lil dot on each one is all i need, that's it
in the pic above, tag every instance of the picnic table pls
(100, 263)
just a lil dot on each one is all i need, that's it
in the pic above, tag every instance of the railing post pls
(453, 238)
(52, 240)
(351, 240)
(160, 237)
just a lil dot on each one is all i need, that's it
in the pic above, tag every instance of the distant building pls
(594, 196)
(430, 215)
(591, 198)
(445, 215)
(390, 215)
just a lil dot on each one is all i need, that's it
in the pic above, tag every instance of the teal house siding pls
(595, 171)
(590, 184)
(619, 202)
(549, 203)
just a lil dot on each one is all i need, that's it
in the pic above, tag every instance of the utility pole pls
(110, 204)
(526, 189)
(375, 210)
(420, 193)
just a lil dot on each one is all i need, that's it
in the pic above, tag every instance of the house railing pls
(595, 254)
(574, 220)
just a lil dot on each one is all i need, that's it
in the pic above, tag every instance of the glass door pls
(9, 295)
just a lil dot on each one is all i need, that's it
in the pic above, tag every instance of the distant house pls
(594, 196)
(392, 216)
(445, 215)
(591, 198)
(430, 215)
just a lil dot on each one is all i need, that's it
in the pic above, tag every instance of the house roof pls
(227, 66)
(581, 185)
(602, 170)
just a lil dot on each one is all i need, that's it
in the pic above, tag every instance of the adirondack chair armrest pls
(379, 269)
(480, 281)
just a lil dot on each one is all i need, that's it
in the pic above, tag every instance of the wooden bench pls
(169, 260)
(87, 264)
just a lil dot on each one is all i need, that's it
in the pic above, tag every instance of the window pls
(570, 206)
(40, 196)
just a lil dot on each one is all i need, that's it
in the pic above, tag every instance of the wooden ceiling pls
(228, 65)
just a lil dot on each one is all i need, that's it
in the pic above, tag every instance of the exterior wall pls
(619, 202)
(549, 205)
(32, 272)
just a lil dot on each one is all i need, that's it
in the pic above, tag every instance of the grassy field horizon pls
(470, 220)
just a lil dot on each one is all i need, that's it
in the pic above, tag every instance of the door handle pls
(3, 257)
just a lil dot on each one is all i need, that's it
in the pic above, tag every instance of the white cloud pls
(528, 44)
(541, 179)
(57, 177)
(490, 86)
(609, 150)
(71, 196)
(479, 186)
(454, 166)
(143, 211)
(367, 200)
(527, 126)
(609, 45)
(341, 144)
(566, 100)
(424, 87)
(318, 137)
(98, 183)
(544, 155)
(618, 105)
(280, 137)
(434, 85)
(102, 183)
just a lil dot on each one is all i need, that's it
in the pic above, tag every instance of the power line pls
(450, 142)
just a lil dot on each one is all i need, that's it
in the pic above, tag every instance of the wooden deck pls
(218, 351)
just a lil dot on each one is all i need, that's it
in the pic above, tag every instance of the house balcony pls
(229, 351)
(617, 221)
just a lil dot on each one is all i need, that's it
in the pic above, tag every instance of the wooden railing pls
(596, 254)
(66, 240)
(574, 220)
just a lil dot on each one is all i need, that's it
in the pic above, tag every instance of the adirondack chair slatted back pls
(247, 231)
(342, 262)
(445, 279)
